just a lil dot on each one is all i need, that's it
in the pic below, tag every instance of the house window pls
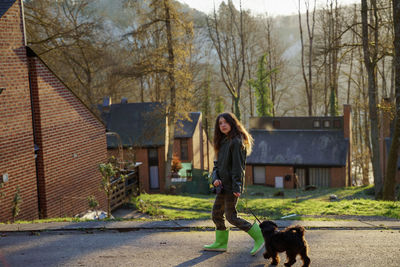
(276, 124)
(259, 175)
(327, 124)
(336, 124)
(184, 149)
(153, 168)
(153, 157)
(316, 124)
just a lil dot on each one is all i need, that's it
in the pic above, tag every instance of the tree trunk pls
(390, 179)
(307, 80)
(370, 65)
(171, 112)
(310, 59)
(237, 108)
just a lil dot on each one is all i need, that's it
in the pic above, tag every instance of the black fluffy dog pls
(290, 240)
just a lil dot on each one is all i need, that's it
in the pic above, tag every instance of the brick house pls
(50, 143)
(142, 126)
(316, 149)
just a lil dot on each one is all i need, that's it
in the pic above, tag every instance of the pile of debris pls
(93, 215)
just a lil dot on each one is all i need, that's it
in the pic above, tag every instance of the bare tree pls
(70, 40)
(226, 31)
(310, 30)
(370, 61)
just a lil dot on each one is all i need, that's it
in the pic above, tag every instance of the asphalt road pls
(182, 248)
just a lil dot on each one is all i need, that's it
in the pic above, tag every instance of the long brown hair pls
(237, 129)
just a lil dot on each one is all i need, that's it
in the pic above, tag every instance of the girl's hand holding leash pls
(236, 194)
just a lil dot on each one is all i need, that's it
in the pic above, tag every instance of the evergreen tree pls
(264, 104)
(219, 105)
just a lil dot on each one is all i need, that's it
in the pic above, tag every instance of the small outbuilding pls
(294, 152)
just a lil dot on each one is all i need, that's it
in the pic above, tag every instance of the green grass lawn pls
(352, 201)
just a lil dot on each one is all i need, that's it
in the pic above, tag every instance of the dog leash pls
(254, 215)
(245, 205)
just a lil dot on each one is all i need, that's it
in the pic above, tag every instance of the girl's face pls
(224, 126)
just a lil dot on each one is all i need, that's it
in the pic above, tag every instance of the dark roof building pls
(299, 147)
(143, 124)
(316, 150)
(185, 128)
(137, 124)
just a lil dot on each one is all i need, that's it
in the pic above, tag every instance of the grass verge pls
(351, 201)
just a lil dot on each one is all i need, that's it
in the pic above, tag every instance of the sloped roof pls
(299, 147)
(5, 5)
(143, 124)
(185, 128)
(137, 124)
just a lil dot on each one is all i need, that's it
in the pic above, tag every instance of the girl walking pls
(232, 143)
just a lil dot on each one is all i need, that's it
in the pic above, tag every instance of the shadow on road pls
(205, 255)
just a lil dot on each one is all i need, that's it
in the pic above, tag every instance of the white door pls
(259, 174)
(154, 184)
(278, 182)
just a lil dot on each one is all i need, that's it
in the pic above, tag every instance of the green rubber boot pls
(255, 233)
(221, 241)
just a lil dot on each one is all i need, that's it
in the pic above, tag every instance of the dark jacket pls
(230, 165)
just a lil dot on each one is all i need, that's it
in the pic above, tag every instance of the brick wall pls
(338, 177)
(16, 135)
(249, 175)
(273, 171)
(72, 143)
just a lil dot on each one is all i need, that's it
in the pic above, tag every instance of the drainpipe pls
(29, 54)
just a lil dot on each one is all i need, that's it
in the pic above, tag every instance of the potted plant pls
(175, 167)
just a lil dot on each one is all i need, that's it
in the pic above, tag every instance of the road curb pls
(174, 226)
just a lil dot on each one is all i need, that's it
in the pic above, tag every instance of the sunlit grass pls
(352, 201)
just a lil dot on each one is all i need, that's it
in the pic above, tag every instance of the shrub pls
(176, 164)
(146, 207)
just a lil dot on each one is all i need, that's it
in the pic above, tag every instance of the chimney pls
(106, 104)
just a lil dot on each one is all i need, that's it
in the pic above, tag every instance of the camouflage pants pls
(226, 203)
